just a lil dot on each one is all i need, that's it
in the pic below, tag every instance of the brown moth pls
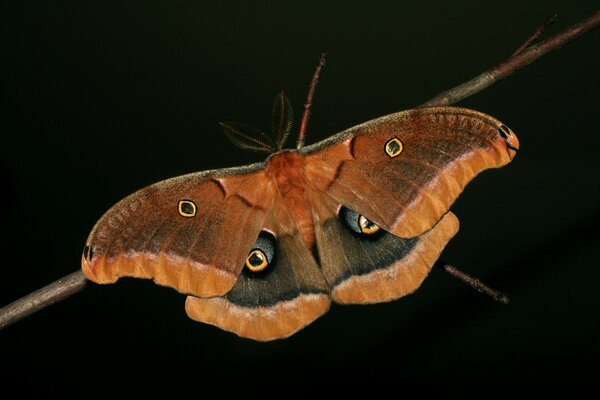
(262, 250)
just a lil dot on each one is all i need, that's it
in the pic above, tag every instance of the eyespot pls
(88, 253)
(358, 223)
(393, 147)
(367, 226)
(187, 208)
(256, 260)
(262, 253)
(505, 132)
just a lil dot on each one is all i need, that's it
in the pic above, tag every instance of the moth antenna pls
(309, 101)
(475, 283)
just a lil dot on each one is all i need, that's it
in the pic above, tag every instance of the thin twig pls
(42, 298)
(536, 34)
(476, 284)
(309, 101)
(513, 64)
(76, 281)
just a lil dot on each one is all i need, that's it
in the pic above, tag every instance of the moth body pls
(286, 170)
(262, 250)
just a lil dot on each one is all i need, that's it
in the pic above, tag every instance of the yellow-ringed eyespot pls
(393, 147)
(367, 226)
(262, 254)
(357, 223)
(257, 260)
(187, 208)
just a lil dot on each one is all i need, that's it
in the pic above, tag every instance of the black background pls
(99, 100)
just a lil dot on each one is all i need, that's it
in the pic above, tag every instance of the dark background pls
(101, 100)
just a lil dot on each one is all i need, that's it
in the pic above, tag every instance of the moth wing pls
(377, 267)
(403, 171)
(191, 233)
(290, 293)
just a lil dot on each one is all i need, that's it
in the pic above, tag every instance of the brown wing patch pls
(277, 321)
(401, 276)
(377, 267)
(443, 149)
(145, 235)
(276, 301)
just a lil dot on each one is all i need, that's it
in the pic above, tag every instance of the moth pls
(262, 250)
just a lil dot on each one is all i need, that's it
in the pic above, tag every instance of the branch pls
(42, 298)
(536, 34)
(474, 283)
(521, 58)
(524, 56)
